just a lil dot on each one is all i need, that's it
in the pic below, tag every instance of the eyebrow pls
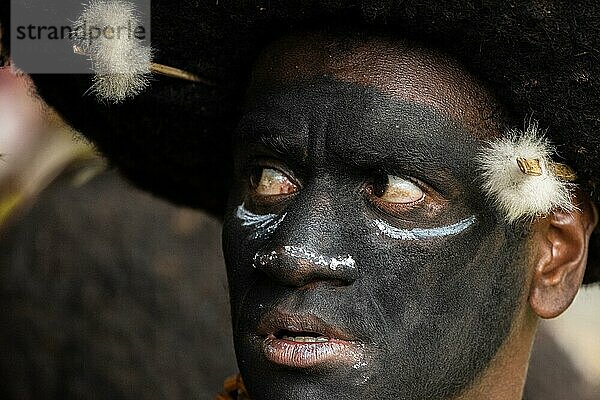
(280, 144)
(272, 136)
(409, 139)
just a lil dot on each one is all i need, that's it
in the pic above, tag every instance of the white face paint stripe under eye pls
(424, 233)
(264, 224)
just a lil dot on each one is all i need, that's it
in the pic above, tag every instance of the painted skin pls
(413, 319)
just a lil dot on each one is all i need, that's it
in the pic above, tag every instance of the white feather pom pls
(121, 62)
(515, 193)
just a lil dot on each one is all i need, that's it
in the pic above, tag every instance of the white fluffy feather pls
(516, 194)
(121, 65)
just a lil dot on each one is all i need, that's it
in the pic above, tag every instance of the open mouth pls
(301, 337)
(302, 341)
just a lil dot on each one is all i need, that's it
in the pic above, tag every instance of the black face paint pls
(424, 314)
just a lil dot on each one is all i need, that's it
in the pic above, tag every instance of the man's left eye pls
(271, 182)
(396, 190)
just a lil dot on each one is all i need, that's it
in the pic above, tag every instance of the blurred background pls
(107, 292)
(110, 293)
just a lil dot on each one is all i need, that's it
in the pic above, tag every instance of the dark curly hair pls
(540, 57)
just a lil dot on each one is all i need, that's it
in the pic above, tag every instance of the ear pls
(563, 239)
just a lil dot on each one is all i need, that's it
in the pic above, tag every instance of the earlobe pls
(563, 239)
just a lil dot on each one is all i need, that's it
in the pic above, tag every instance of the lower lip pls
(305, 355)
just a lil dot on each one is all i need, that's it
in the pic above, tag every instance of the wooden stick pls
(164, 70)
(178, 74)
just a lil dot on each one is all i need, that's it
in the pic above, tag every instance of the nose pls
(310, 245)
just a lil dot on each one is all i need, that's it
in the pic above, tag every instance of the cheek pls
(244, 234)
(453, 298)
(455, 276)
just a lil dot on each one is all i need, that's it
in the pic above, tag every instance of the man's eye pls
(271, 182)
(396, 190)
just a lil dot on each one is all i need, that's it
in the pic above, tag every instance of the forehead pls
(397, 68)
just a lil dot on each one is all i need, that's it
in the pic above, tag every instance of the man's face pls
(363, 259)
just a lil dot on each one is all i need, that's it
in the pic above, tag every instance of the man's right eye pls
(267, 182)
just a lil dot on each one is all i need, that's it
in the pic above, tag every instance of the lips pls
(304, 341)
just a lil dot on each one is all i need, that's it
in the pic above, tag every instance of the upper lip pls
(277, 320)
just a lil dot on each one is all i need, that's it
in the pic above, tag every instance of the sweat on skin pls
(420, 317)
